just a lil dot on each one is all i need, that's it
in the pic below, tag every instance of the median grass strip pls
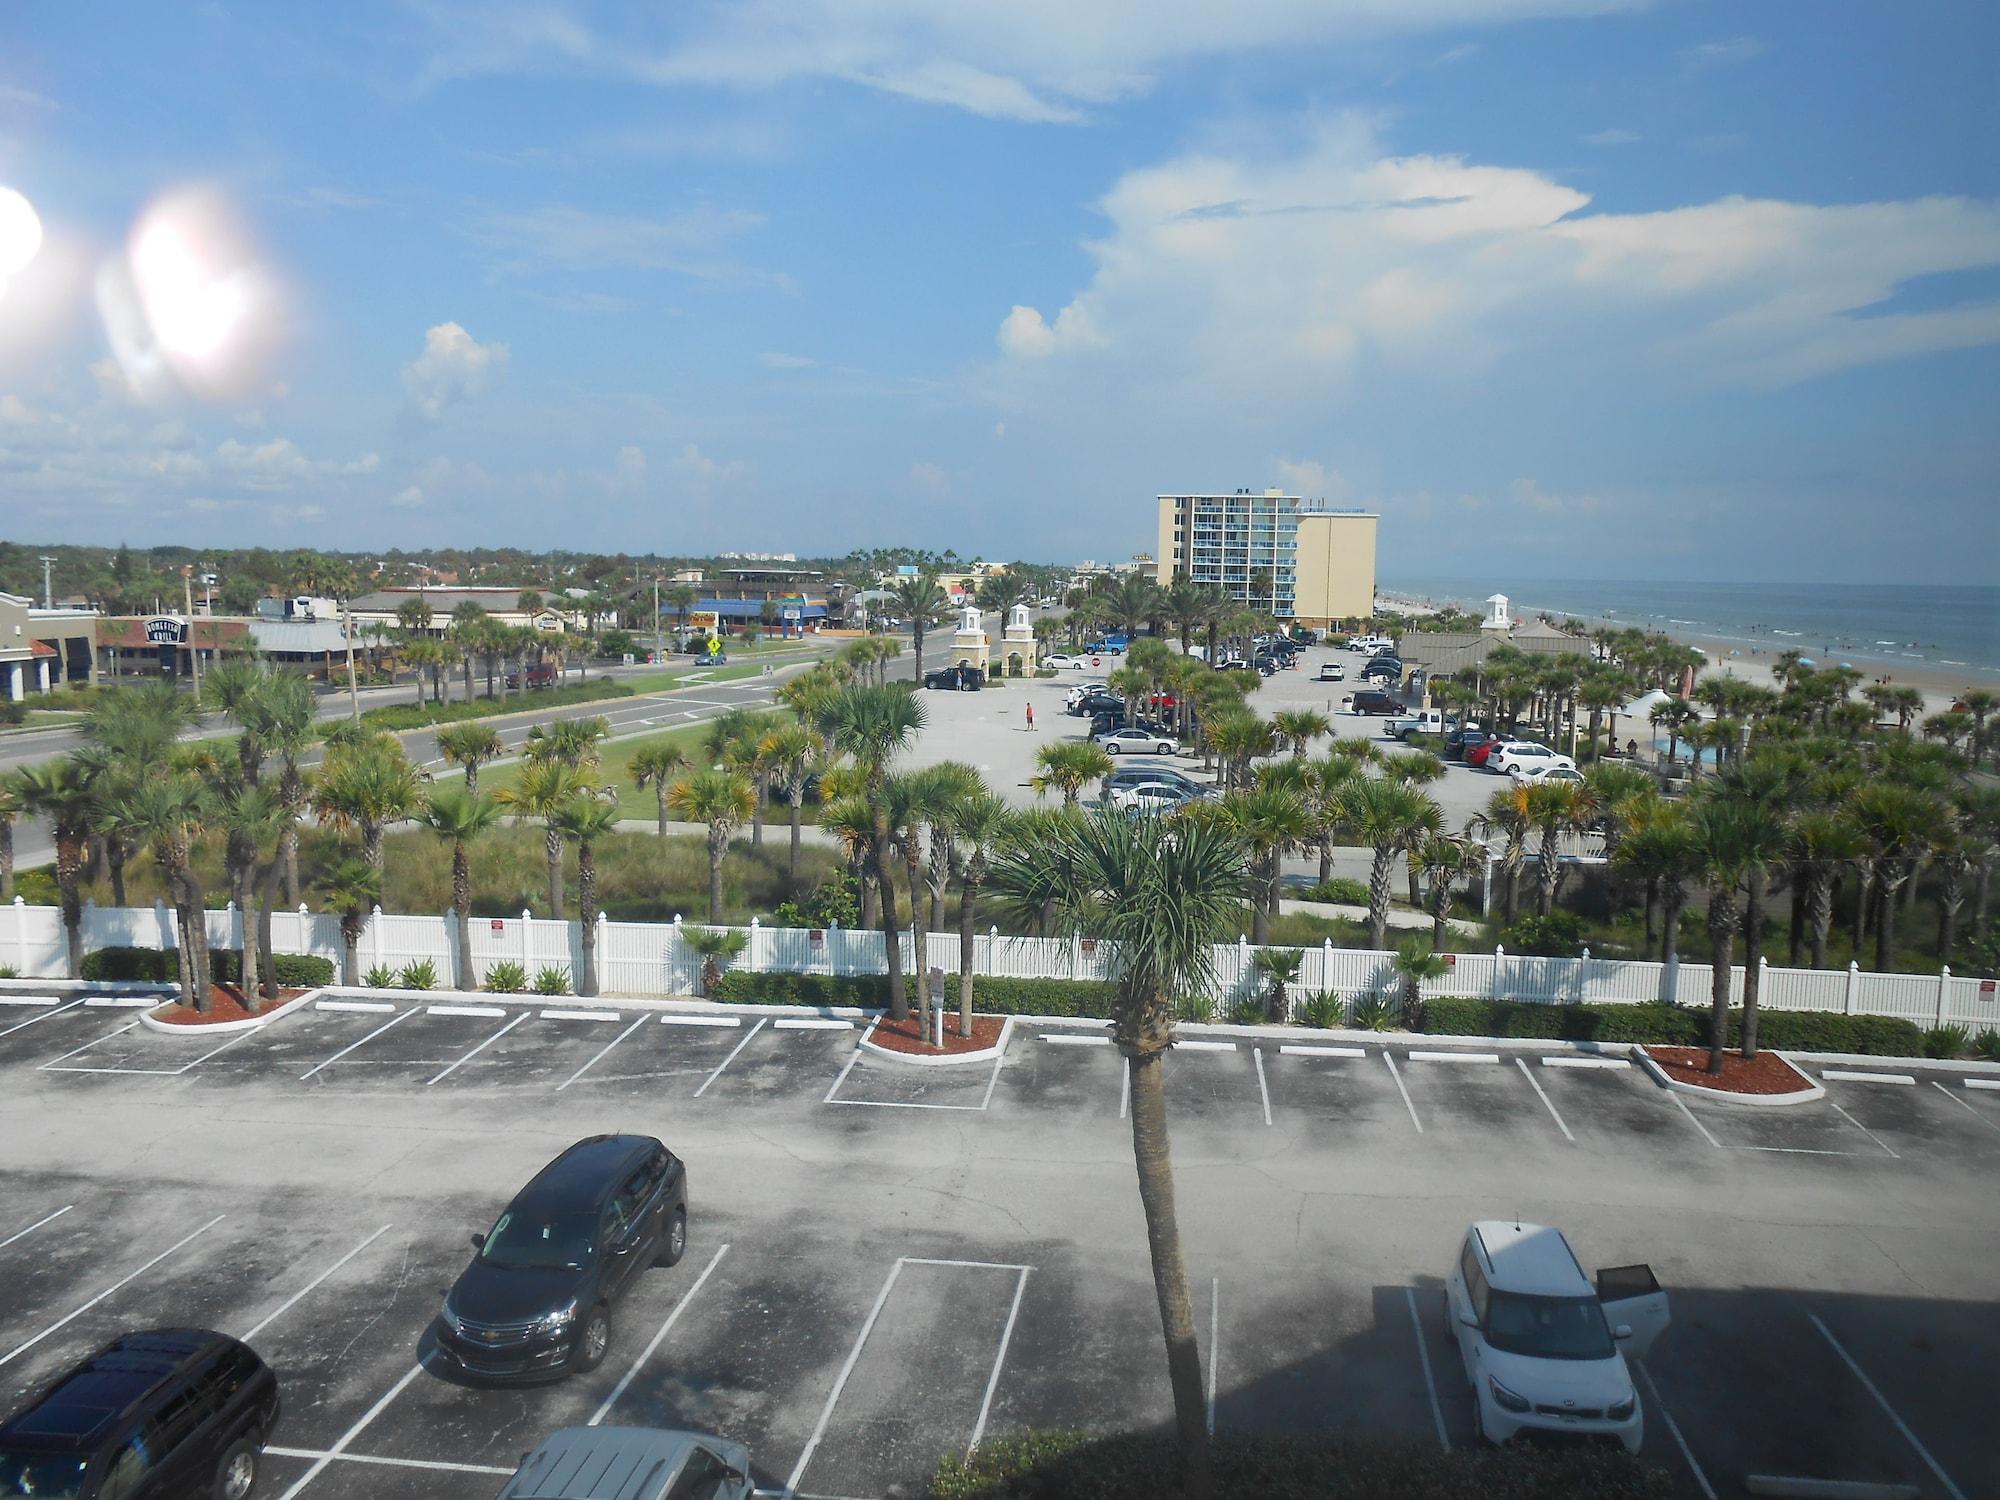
(616, 772)
(397, 718)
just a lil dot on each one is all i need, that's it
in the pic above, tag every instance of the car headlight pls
(1618, 1411)
(1506, 1399)
(452, 1319)
(558, 1320)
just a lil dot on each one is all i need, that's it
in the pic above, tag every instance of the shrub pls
(1249, 1011)
(7, 971)
(1670, 1025)
(12, 713)
(296, 971)
(506, 978)
(1079, 1466)
(1341, 891)
(1558, 935)
(132, 964)
(1086, 999)
(380, 977)
(419, 974)
(1947, 1042)
(552, 979)
(1987, 1044)
(1377, 1013)
(1325, 1011)
(402, 716)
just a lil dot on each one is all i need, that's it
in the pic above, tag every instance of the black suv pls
(536, 1300)
(162, 1415)
(956, 679)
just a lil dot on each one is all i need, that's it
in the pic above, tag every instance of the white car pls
(1151, 797)
(1543, 1348)
(1332, 671)
(1509, 754)
(1136, 742)
(1540, 774)
(1065, 663)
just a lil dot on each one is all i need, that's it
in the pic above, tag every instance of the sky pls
(1562, 288)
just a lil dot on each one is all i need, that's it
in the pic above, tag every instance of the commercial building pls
(164, 645)
(40, 649)
(503, 605)
(792, 598)
(1271, 552)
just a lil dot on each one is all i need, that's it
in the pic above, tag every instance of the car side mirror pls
(479, 1242)
(1622, 1331)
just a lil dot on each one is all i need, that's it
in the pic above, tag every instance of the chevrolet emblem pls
(490, 1336)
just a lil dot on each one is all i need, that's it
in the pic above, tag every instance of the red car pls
(1476, 756)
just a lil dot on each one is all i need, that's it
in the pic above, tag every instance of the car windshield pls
(1547, 1327)
(55, 1476)
(526, 1240)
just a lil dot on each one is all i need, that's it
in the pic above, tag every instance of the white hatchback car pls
(1544, 1350)
(1510, 754)
(1063, 662)
(1136, 742)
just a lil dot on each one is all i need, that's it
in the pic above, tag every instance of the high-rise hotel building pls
(1268, 550)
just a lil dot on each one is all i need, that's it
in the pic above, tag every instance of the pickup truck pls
(1421, 721)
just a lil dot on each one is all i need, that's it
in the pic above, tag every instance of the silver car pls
(632, 1463)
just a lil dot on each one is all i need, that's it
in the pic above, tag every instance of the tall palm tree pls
(128, 736)
(1822, 843)
(1389, 818)
(570, 742)
(1299, 727)
(544, 789)
(790, 753)
(1441, 860)
(1657, 854)
(1068, 766)
(657, 765)
(1506, 814)
(1269, 822)
(169, 812)
(366, 788)
(469, 744)
(353, 887)
(1164, 892)
(1555, 808)
(250, 814)
(1412, 768)
(1133, 602)
(1724, 849)
(459, 816)
(852, 824)
(922, 602)
(587, 819)
(917, 801)
(1897, 822)
(978, 823)
(723, 800)
(60, 793)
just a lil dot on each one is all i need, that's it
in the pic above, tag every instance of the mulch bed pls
(1766, 1073)
(903, 1036)
(226, 1003)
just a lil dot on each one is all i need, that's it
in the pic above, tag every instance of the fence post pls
(527, 945)
(302, 933)
(20, 934)
(751, 946)
(167, 939)
(835, 946)
(603, 931)
(1853, 985)
(1670, 978)
(992, 942)
(1583, 977)
(674, 951)
(1763, 980)
(1944, 992)
(1499, 962)
(375, 936)
(1326, 965)
(1075, 957)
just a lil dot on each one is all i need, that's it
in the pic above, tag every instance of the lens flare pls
(20, 234)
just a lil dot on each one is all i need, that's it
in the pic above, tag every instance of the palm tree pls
(1506, 813)
(1183, 602)
(1269, 821)
(656, 765)
(59, 792)
(1822, 842)
(1658, 854)
(920, 601)
(977, 822)
(250, 814)
(569, 742)
(169, 812)
(352, 887)
(1133, 601)
(852, 824)
(1723, 850)
(918, 800)
(715, 946)
(10, 809)
(587, 818)
(723, 800)
(1674, 715)
(458, 816)
(1389, 818)
(790, 753)
(872, 725)
(1555, 808)
(1068, 766)
(1980, 703)
(1412, 768)
(470, 744)
(1414, 964)
(1164, 892)
(1299, 727)
(1442, 859)
(1278, 967)
(128, 736)
(545, 788)
(1897, 822)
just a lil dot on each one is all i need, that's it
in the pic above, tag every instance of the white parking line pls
(842, 1078)
(1976, 1114)
(1424, 1358)
(811, 1023)
(22, 1234)
(37, 1020)
(1214, 1343)
(1536, 1084)
(1681, 1105)
(338, 1450)
(1888, 1410)
(1263, 1089)
(993, 1379)
(94, 1041)
(1393, 1073)
(729, 1059)
(1478, 1057)
(653, 1344)
(1863, 1129)
(1585, 1062)
(1832, 1075)
(432, 1465)
(1076, 1041)
(486, 1012)
(726, 1022)
(71, 1317)
(362, 1043)
(29, 1000)
(1124, 1086)
(581, 1015)
(840, 1380)
(467, 1057)
(1288, 1050)
(600, 1053)
(1700, 1478)
(377, 1006)
(1201, 1046)
(124, 1002)
(291, 1301)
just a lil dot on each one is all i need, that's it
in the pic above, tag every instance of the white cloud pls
(14, 412)
(999, 429)
(580, 302)
(628, 471)
(454, 367)
(14, 97)
(930, 479)
(1730, 52)
(692, 242)
(324, 199)
(1615, 136)
(1526, 492)
(1277, 276)
(410, 497)
(774, 360)
(1311, 479)
(705, 477)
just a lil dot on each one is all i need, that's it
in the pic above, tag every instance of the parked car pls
(1535, 775)
(957, 678)
(1064, 662)
(1131, 776)
(540, 676)
(536, 1300)
(632, 1463)
(1513, 754)
(1419, 721)
(1332, 671)
(1136, 742)
(1374, 701)
(1478, 755)
(1151, 797)
(1545, 1351)
(1382, 668)
(1459, 741)
(159, 1415)
(1100, 703)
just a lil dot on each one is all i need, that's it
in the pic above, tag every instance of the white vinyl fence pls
(650, 958)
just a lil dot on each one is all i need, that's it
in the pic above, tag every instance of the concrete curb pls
(1971, 1066)
(92, 986)
(1813, 1090)
(151, 1022)
(983, 1055)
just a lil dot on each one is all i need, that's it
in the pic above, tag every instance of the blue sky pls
(1561, 287)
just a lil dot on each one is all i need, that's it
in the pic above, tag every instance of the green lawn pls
(41, 718)
(674, 677)
(617, 769)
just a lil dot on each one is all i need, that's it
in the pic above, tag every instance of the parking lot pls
(889, 1262)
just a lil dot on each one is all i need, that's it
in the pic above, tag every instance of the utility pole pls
(48, 601)
(659, 642)
(353, 692)
(194, 648)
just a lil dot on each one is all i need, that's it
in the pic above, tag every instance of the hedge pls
(162, 966)
(1671, 1025)
(1088, 999)
(1077, 1466)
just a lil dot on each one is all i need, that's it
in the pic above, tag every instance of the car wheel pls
(1111, 747)
(674, 1243)
(1163, 748)
(236, 1475)
(594, 1342)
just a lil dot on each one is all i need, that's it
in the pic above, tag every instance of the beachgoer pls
(1030, 708)
(1632, 749)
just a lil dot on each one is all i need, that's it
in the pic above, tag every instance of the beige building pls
(40, 649)
(1268, 550)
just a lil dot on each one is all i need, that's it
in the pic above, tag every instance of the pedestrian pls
(1030, 709)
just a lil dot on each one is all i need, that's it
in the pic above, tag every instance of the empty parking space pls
(1065, 1074)
(1480, 1101)
(872, 1082)
(1919, 1121)
(1326, 1092)
(1821, 1128)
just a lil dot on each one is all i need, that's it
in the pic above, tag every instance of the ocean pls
(1915, 626)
